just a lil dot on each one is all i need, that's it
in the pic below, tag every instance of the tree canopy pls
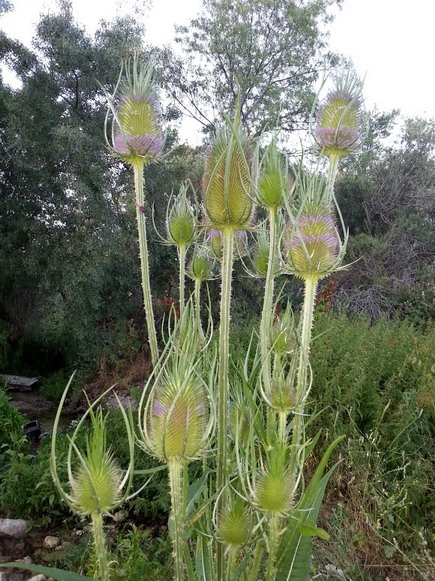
(266, 53)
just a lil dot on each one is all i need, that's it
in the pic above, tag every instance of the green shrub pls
(376, 384)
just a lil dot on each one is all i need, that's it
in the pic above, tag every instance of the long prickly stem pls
(175, 468)
(182, 260)
(197, 297)
(100, 547)
(302, 383)
(222, 408)
(274, 525)
(144, 263)
(332, 174)
(266, 316)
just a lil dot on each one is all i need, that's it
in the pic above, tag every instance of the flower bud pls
(200, 267)
(273, 181)
(234, 524)
(227, 181)
(282, 396)
(177, 421)
(283, 338)
(96, 485)
(181, 221)
(274, 489)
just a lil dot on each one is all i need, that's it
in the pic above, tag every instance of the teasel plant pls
(176, 419)
(133, 133)
(228, 203)
(96, 483)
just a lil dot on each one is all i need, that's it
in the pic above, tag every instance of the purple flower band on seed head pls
(330, 241)
(159, 410)
(327, 221)
(138, 144)
(343, 137)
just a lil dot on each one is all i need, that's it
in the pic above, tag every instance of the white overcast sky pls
(391, 42)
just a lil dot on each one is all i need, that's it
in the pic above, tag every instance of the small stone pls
(15, 528)
(39, 577)
(50, 542)
(120, 515)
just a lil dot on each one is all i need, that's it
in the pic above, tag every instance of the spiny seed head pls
(240, 420)
(95, 487)
(136, 133)
(313, 245)
(177, 420)
(200, 267)
(235, 524)
(274, 490)
(338, 127)
(282, 396)
(214, 238)
(261, 258)
(181, 222)
(283, 339)
(227, 181)
(273, 182)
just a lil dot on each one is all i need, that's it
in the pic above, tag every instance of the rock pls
(120, 515)
(38, 578)
(16, 577)
(50, 542)
(15, 528)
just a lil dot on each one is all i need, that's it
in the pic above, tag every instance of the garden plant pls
(251, 511)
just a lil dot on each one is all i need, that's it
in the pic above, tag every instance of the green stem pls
(197, 296)
(231, 559)
(273, 546)
(222, 404)
(144, 263)
(182, 258)
(332, 174)
(282, 426)
(175, 468)
(100, 547)
(302, 373)
(266, 315)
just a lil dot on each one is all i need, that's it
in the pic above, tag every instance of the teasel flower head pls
(281, 390)
(283, 338)
(313, 245)
(180, 220)
(177, 420)
(235, 523)
(340, 118)
(274, 487)
(260, 258)
(97, 484)
(136, 135)
(273, 182)
(176, 413)
(201, 265)
(227, 180)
